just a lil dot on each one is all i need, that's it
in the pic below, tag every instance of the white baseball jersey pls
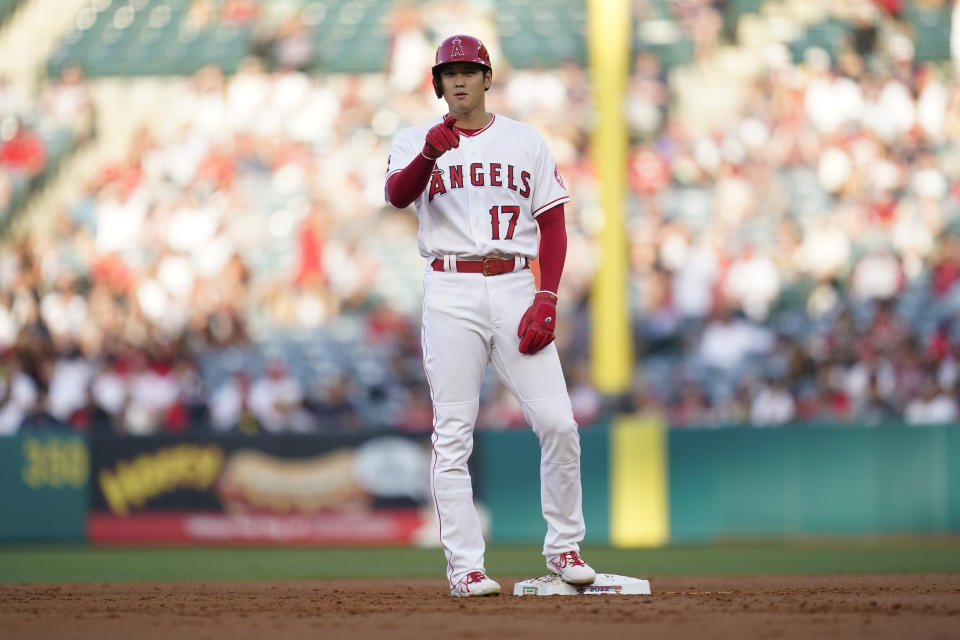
(482, 199)
(483, 196)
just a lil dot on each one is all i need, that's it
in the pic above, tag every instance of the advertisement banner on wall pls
(308, 489)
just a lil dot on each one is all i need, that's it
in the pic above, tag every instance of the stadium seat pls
(829, 35)
(559, 27)
(734, 10)
(931, 27)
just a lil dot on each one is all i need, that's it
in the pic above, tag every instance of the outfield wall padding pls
(813, 480)
(742, 482)
(43, 487)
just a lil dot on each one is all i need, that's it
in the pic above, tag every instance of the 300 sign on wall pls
(54, 463)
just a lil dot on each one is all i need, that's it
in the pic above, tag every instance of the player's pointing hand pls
(442, 137)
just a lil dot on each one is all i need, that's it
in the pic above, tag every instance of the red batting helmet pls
(459, 49)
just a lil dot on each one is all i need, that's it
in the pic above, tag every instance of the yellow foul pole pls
(608, 47)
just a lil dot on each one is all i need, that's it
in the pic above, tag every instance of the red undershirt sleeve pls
(406, 185)
(553, 247)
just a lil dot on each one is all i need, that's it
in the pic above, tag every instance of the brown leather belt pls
(487, 266)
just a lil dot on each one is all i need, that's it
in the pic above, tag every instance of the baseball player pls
(483, 185)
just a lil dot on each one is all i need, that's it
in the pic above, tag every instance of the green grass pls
(87, 564)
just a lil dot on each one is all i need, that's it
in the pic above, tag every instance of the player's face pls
(463, 85)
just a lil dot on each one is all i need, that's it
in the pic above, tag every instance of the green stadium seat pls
(558, 27)
(830, 35)
(315, 15)
(931, 32)
(7, 9)
(361, 54)
(671, 55)
(659, 9)
(736, 9)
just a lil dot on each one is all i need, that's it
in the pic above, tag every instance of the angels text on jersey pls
(480, 174)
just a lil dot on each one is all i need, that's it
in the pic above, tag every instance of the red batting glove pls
(441, 138)
(537, 324)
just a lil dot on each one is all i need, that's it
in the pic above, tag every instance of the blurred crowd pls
(239, 269)
(61, 116)
(802, 258)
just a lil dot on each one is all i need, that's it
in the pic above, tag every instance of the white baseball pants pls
(468, 321)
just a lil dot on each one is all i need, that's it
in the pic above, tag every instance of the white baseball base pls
(604, 584)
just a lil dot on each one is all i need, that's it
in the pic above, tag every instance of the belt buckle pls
(488, 266)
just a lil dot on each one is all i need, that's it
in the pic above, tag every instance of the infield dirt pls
(847, 606)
